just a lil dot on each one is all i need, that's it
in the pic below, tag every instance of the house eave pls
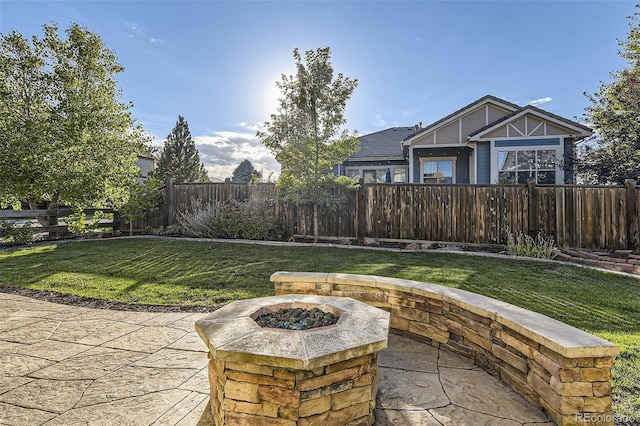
(359, 159)
(440, 145)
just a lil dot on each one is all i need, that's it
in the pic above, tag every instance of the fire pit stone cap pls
(231, 334)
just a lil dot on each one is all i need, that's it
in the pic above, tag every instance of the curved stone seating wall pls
(564, 370)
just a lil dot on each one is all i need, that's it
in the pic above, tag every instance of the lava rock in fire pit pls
(297, 319)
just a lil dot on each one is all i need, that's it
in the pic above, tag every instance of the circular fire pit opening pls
(321, 375)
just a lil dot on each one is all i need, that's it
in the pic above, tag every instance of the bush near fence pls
(56, 226)
(596, 217)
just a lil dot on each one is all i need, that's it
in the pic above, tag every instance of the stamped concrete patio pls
(63, 365)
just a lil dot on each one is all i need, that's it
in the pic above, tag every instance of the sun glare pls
(268, 98)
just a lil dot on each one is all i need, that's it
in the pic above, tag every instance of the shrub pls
(249, 219)
(78, 224)
(174, 229)
(525, 245)
(11, 233)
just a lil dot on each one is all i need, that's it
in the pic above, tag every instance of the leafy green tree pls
(142, 198)
(179, 158)
(65, 137)
(305, 135)
(246, 173)
(612, 155)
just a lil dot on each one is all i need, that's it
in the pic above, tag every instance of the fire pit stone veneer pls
(319, 376)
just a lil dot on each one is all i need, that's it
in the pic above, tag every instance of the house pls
(380, 158)
(146, 165)
(488, 141)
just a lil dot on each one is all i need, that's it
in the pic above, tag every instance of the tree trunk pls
(131, 227)
(315, 223)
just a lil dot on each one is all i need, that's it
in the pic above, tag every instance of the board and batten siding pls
(483, 165)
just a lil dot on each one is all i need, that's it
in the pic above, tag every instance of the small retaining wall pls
(560, 368)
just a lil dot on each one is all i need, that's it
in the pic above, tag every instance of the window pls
(400, 175)
(375, 176)
(438, 170)
(378, 175)
(530, 164)
(352, 173)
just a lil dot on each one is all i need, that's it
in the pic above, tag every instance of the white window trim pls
(425, 159)
(559, 149)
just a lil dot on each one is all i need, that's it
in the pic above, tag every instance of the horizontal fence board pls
(60, 212)
(55, 225)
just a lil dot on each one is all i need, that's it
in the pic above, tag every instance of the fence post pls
(361, 213)
(52, 220)
(631, 201)
(532, 210)
(170, 203)
(117, 220)
(276, 203)
(226, 189)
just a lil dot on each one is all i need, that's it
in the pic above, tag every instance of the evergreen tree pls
(179, 158)
(612, 155)
(245, 173)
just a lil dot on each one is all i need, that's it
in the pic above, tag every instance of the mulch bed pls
(87, 302)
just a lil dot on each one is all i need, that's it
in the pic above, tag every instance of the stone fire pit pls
(325, 375)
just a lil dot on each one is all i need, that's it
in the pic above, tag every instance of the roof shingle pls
(382, 145)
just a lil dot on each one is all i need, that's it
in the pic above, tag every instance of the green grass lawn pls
(162, 271)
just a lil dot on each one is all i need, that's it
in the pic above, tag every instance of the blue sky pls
(216, 62)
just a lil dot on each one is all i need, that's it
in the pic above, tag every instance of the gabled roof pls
(509, 106)
(583, 130)
(382, 145)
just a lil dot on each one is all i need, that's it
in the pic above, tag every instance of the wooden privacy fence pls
(598, 217)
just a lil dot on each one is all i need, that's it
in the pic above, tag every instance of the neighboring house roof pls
(582, 129)
(382, 145)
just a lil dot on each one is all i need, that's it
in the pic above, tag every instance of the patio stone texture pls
(48, 378)
(559, 368)
(320, 376)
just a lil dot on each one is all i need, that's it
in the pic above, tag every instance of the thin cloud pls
(133, 30)
(130, 27)
(540, 101)
(223, 151)
(379, 122)
(255, 127)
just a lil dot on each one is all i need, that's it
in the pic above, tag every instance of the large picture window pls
(438, 170)
(520, 166)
